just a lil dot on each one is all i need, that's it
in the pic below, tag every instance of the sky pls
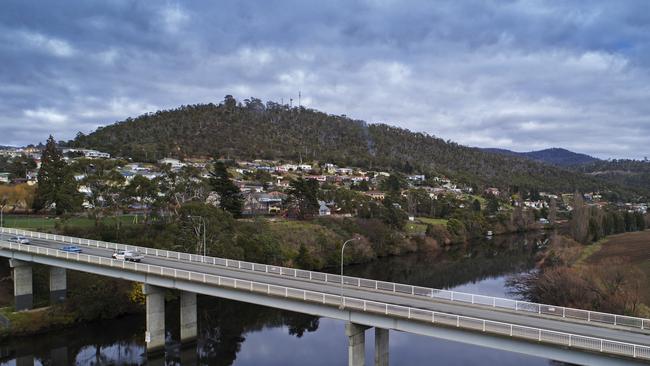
(521, 75)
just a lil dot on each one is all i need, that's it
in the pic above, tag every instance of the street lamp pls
(204, 227)
(342, 249)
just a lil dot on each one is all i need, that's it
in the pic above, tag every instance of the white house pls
(175, 163)
(323, 210)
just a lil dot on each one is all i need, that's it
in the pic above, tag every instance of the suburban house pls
(4, 177)
(256, 203)
(376, 195)
(175, 163)
(323, 210)
(87, 153)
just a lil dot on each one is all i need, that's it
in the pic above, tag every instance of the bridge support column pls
(155, 307)
(58, 285)
(356, 343)
(381, 347)
(188, 317)
(22, 276)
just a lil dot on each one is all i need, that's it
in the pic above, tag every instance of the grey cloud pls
(512, 74)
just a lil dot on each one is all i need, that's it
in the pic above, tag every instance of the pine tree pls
(56, 184)
(230, 197)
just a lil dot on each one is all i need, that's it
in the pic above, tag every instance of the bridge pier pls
(189, 328)
(155, 308)
(22, 276)
(356, 343)
(381, 347)
(58, 285)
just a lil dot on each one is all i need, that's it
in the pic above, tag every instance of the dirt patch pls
(635, 247)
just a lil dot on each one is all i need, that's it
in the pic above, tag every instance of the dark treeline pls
(253, 129)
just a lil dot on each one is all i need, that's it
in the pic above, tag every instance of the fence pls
(402, 289)
(427, 316)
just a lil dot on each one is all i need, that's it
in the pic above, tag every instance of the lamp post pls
(342, 249)
(204, 227)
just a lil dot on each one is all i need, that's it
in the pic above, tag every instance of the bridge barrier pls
(529, 308)
(586, 343)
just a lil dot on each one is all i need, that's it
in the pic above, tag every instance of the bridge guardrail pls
(529, 308)
(427, 316)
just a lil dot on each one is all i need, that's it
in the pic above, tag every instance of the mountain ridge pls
(555, 156)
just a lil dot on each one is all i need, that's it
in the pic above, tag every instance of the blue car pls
(71, 249)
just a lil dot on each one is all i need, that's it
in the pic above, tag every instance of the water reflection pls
(232, 333)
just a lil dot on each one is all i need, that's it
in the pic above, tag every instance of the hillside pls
(274, 131)
(553, 156)
(634, 174)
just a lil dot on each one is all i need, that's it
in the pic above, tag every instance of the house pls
(492, 191)
(344, 171)
(175, 163)
(256, 203)
(329, 168)
(4, 177)
(376, 195)
(323, 210)
(87, 153)
(319, 178)
(416, 178)
(304, 167)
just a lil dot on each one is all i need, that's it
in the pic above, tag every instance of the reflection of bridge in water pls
(563, 334)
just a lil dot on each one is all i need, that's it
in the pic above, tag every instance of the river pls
(233, 333)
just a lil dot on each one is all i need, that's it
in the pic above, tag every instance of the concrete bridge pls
(563, 334)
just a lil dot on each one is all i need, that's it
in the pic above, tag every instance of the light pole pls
(342, 249)
(204, 227)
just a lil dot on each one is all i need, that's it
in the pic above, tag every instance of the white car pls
(19, 239)
(127, 255)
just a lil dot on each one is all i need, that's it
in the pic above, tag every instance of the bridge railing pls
(531, 334)
(526, 307)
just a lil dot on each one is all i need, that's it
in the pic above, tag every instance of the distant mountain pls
(553, 156)
(256, 130)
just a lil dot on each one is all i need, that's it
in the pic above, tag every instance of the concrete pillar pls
(58, 285)
(155, 307)
(25, 360)
(381, 347)
(356, 344)
(188, 317)
(22, 275)
(59, 356)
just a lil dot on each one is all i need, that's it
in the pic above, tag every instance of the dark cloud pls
(514, 74)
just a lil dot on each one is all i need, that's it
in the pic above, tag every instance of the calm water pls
(233, 333)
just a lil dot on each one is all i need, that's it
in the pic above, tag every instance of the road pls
(561, 325)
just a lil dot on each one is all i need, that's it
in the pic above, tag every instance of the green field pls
(43, 223)
(430, 221)
(415, 228)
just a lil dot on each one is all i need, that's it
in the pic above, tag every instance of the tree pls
(476, 205)
(230, 198)
(304, 196)
(579, 219)
(493, 205)
(56, 184)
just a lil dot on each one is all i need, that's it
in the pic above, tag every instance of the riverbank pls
(633, 249)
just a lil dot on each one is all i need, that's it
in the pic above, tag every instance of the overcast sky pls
(521, 75)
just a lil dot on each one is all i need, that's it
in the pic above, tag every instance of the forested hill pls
(634, 174)
(274, 131)
(554, 156)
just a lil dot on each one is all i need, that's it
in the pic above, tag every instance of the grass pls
(40, 222)
(413, 228)
(430, 221)
(590, 250)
